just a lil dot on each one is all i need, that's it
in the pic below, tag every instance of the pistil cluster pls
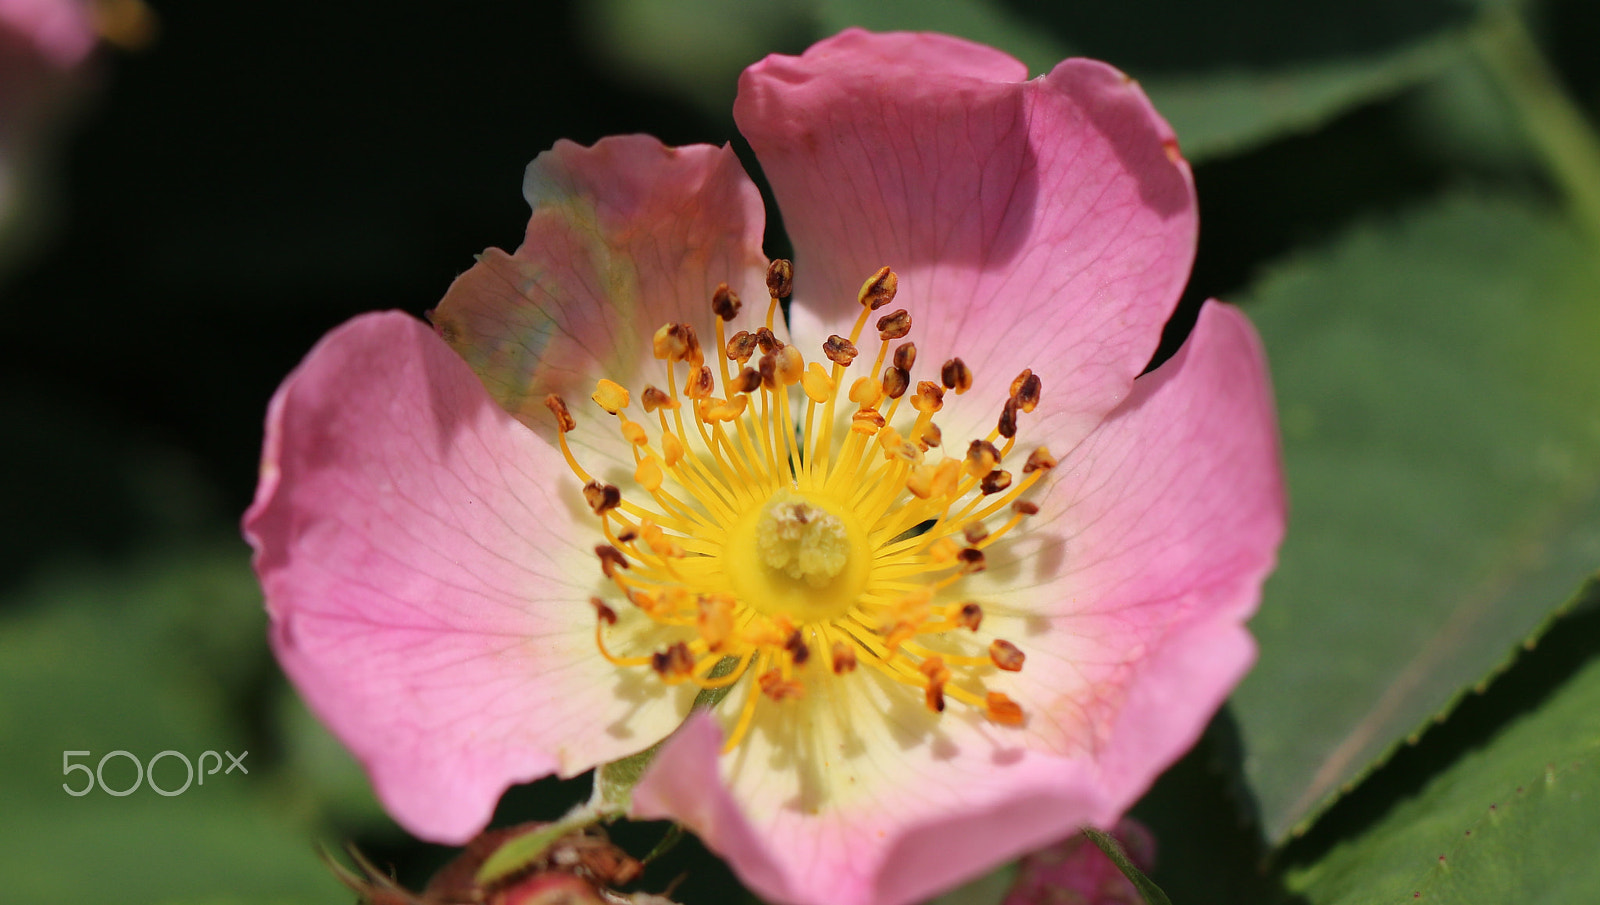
(785, 529)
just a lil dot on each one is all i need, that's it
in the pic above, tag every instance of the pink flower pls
(906, 710)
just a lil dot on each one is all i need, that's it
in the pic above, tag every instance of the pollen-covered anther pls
(780, 278)
(928, 481)
(995, 481)
(1025, 390)
(795, 644)
(714, 620)
(975, 532)
(700, 384)
(768, 341)
(866, 392)
(1006, 655)
(895, 382)
(674, 343)
(894, 325)
(931, 436)
(972, 560)
(676, 662)
(929, 399)
(633, 432)
(725, 302)
(648, 473)
(879, 289)
(867, 421)
(839, 350)
(1025, 507)
(844, 658)
(558, 407)
(776, 687)
(790, 365)
(725, 409)
(671, 449)
(937, 674)
(897, 447)
(658, 541)
(1007, 425)
(611, 559)
(1001, 709)
(905, 355)
(747, 380)
(605, 614)
(955, 375)
(982, 457)
(816, 382)
(602, 498)
(1039, 458)
(653, 399)
(741, 346)
(610, 395)
(969, 617)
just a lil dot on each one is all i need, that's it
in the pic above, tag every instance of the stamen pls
(894, 325)
(842, 654)
(610, 396)
(955, 375)
(839, 350)
(771, 538)
(725, 302)
(879, 289)
(1006, 655)
(780, 278)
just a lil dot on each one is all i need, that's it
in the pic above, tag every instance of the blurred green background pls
(1404, 196)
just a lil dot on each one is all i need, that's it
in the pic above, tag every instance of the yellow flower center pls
(802, 556)
(770, 547)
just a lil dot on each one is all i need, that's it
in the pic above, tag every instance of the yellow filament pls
(706, 500)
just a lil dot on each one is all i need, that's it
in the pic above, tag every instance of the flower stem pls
(1558, 128)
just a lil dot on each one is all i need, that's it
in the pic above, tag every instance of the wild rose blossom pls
(966, 582)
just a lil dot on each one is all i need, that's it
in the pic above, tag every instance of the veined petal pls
(1129, 591)
(427, 564)
(625, 236)
(1050, 221)
(886, 810)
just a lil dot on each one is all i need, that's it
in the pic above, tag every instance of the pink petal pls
(625, 236)
(1129, 590)
(1135, 582)
(1046, 224)
(935, 817)
(427, 563)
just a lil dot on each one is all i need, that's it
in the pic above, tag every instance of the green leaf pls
(144, 659)
(1107, 843)
(1231, 110)
(1435, 381)
(1513, 821)
(521, 851)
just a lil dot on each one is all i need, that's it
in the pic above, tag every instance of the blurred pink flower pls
(476, 580)
(62, 31)
(1075, 872)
